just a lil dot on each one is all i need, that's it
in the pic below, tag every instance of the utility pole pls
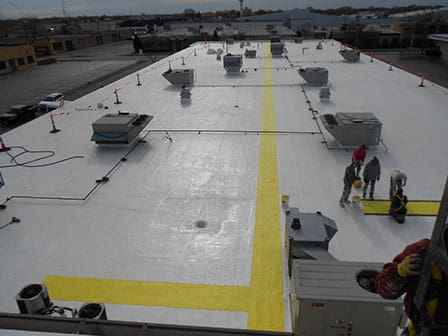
(64, 8)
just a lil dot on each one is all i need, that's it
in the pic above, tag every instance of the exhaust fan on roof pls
(314, 75)
(353, 129)
(121, 128)
(350, 55)
(233, 63)
(179, 76)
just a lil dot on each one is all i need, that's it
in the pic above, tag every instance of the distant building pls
(16, 58)
(442, 41)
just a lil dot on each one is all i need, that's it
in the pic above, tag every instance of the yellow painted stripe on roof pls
(263, 300)
(146, 293)
(415, 208)
(267, 305)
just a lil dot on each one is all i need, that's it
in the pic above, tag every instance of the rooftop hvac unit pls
(33, 299)
(308, 235)
(211, 51)
(95, 311)
(276, 48)
(353, 129)
(233, 63)
(328, 300)
(122, 128)
(314, 75)
(250, 53)
(350, 55)
(179, 76)
(229, 41)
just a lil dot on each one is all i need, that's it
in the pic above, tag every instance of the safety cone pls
(138, 80)
(53, 125)
(117, 101)
(421, 82)
(3, 146)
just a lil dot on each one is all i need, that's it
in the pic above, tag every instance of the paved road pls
(434, 70)
(75, 74)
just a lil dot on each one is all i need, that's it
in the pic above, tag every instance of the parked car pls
(18, 113)
(51, 102)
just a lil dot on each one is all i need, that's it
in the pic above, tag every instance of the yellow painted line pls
(267, 304)
(146, 293)
(262, 300)
(415, 208)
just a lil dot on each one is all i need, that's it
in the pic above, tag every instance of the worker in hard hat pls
(398, 180)
(402, 276)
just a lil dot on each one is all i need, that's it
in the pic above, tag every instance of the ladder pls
(437, 252)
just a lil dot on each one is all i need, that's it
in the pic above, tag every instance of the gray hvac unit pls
(179, 76)
(92, 310)
(314, 75)
(33, 299)
(352, 129)
(350, 55)
(233, 63)
(250, 53)
(277, 48)
(326, 300)
(121, 128)
(307, 235)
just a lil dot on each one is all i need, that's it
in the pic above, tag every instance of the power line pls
(17, 7)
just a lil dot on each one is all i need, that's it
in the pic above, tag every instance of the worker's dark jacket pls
(398, 205)
(349, 176)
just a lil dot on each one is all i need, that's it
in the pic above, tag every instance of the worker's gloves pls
(411, 265)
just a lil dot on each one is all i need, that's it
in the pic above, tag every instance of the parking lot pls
(75, 74)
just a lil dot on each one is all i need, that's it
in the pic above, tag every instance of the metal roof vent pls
(314, 75)
(277, 48)
(179, 76)
(353, 129)
(119, 129)
(319, 45)
(324, 92)
(33, 299)
(308, 235)
(350, 55)
(233, 63)
(185, 94)
(250, 53)
(96, 311)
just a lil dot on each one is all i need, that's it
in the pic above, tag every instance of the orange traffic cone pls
(3, 146)
(53, 125)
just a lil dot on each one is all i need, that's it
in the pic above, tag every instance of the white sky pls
(46, 8)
